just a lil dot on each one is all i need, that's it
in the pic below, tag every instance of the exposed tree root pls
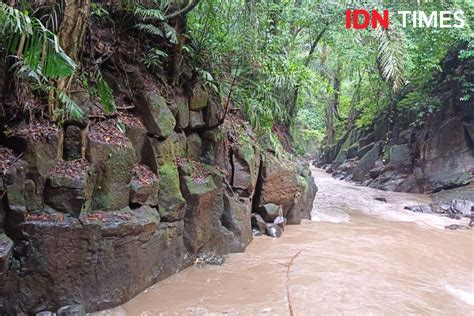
(288, 270)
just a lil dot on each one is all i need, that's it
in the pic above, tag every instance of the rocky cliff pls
(95, 211)
(400, 155)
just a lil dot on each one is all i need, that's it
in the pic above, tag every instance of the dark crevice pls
(450, 187)
(258, 186)
(231, 160)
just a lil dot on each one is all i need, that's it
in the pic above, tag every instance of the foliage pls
(29, 40)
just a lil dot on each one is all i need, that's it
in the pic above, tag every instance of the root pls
(288, 270)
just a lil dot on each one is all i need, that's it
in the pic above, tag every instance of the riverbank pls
(359, 256)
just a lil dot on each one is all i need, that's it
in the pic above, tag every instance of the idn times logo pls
(363, 19)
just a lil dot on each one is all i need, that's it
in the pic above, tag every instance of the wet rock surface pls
(128, 207)
(398, 154)
(456, 209)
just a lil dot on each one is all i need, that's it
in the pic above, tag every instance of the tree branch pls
(313, 46)
(191, 5)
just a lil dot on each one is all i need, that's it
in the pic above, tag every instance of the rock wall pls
(401, 156)
(90, 215)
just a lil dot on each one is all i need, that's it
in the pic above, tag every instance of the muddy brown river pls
(358, 256)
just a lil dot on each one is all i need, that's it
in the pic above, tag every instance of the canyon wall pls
(99, 209)
(403, 154)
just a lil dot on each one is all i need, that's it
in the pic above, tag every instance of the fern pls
(151, 29)
(149, 13)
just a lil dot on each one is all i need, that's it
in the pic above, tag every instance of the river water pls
(358, 256)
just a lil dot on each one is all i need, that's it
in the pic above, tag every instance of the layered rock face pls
(407, 157)
(90, 215)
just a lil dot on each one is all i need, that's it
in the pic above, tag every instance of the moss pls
(200, 187)
(170, 198)
(162, 114)
(386, 154)
(199, 99)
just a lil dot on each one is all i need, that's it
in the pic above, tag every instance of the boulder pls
(194, 147)
(41, 146)
(180, 109)
(462, 207)
(196, 119)
(456, 227)
(199, 98)
(270, 211)
(112, 164)
(144, 187)
(156, 115)
(200, 192)
(72, 142)
(279, 183)
(353, 150)
(163, 151)
(281, 222)
(273, 230)
(236, 222)
(368, 139)
(258, 223)
(170, 200)
(211, 113)
(419, 209)
(179, 144)
(137, 135)
(445, 154)
(366, 163)
(72, 310)
(6, 250)
(400, 155)
(364, 150)
(245, 162)
(380, 129)
(96, 248)
(303, 201)
(405, 136)
(69, 187)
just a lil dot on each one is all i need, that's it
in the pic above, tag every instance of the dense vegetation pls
(289, 66)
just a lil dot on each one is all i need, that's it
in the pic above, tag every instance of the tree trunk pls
(176, 56)
(71, 36)
(73, 27)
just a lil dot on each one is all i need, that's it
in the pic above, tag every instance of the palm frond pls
(390, 56)
(105, 93)
(27, 38)
(72, 109)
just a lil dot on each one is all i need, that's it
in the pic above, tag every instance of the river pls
(358, 256)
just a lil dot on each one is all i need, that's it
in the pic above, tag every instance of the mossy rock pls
(353, 150)
(179, 144)
(180, 109)
(400, 155)
(199, 187)
(156, 115)
(6, 250)
(113, 166)
(194, 147)
(214, 135)
(164, 151)
(196, 119)
(170, 200)
(198, 100)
